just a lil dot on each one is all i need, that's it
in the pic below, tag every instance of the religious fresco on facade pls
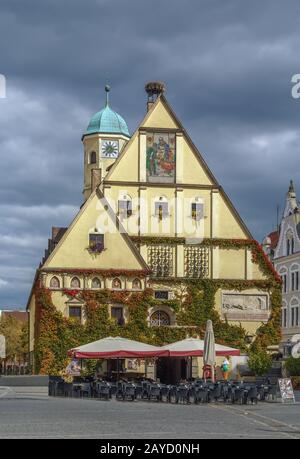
(161, 157)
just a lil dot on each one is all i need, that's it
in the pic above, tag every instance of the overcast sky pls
(227, 66)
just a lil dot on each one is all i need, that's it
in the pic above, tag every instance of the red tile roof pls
(274, 239)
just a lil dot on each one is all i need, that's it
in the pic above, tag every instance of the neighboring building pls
(283, 247)
(150, 200)
(21, 316)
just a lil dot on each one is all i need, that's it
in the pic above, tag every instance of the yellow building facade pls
(154, 218)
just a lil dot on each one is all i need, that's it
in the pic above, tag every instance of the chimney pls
(154, 89)
(96, 178)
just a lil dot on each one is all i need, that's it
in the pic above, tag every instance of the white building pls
(283, 247)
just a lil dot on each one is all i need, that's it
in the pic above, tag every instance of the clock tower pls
(105, 137)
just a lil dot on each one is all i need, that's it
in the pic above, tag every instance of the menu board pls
(286, 390)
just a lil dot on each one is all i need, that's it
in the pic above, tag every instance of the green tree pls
(16, 334)
(259, 361)
(293, 366)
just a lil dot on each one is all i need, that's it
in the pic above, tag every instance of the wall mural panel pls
(236, 306)
(161, 157)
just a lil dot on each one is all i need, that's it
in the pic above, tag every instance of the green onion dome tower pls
(104, 138)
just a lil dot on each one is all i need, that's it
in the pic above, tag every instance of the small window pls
(117, 314)
(136, 284)
(116, 284)
(284, 318)
(75, 283)
(197, 211)
(54, 283)
(290, 243)
(96, 283)
(93, 157)
(161, 209)
(96, 242)
(284, 283)
(75, 313)
(125, 208)
(160, 318)
(295, 281)
(161, 295)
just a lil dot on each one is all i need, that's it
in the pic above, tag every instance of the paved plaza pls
(30, 413)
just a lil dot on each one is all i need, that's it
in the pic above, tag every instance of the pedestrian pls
(225, 368)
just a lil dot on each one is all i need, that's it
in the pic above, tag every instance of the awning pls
(195, 347)
(117, 347)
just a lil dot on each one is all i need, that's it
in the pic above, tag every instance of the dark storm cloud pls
(227, 66)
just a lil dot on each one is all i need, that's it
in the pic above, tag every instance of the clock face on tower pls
(110, 148)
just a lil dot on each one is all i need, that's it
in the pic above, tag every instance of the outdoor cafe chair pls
(215, 392)
(145, 389)
(82, 389)
(173, 397)
(202, 393)
(165, 392)
(103, 390)
(154, 392)
(251, 394)
(182, 393)
(238, 394)
(68, 389)
(129, 391)
(272, 392)
(138, 390)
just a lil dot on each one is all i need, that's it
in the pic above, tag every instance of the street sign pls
(2, 347)
(286, 390)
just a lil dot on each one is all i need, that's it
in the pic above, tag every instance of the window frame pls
(98, 247)
(79, 282)
(75, 317)
(93, 157)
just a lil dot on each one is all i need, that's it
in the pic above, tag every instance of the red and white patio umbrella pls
(192, 347)
(116, 347)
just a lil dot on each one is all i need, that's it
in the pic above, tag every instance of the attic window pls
(197, 211)
(96, 242)
(125, 207)
(161, 209)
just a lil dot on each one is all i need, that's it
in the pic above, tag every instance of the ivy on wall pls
(55, 334)
(194, 304)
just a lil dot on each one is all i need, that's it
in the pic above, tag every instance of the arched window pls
(54, 282)
(290, 243)
(284, 320)
(136, 284)
(116, 284)
(160, 318)
(93, 157)
(283, 274)
(75, 283)
(96, 283)
(294, 308)
(294, 277)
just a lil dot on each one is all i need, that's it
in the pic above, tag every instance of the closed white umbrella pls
(209, 354)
